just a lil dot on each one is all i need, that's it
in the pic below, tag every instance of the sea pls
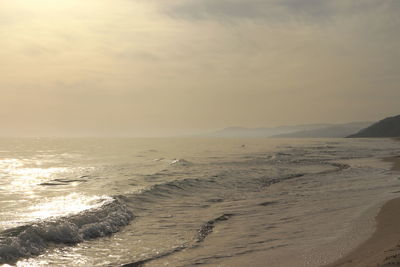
(189, 201)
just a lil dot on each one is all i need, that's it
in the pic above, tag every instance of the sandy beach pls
(383, 247)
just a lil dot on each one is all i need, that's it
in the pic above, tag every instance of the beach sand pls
(383, 247)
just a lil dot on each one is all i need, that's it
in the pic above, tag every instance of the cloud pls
(39, 50)
(198, 64)
(304, 11)
(137, 55)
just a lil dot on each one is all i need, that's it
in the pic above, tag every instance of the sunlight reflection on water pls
(26, 177)
(65, 205)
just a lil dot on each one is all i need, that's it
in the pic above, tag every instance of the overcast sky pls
(158, 67)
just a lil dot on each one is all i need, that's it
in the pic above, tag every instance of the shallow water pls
(180, 202)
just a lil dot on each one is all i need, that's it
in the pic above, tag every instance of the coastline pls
(383, 247)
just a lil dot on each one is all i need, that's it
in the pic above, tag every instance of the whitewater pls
(189, 201)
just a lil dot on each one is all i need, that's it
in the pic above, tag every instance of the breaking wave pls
(181, 162)
(33, 239)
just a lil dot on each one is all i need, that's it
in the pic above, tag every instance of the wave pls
(33, 239)
(181, 162)
(62, 182)
(268, 182)
(205, 230)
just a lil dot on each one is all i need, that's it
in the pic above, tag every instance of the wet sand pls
(383, 247)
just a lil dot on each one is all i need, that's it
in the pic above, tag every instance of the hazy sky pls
(155, 67)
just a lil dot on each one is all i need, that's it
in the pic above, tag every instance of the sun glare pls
(70, 204)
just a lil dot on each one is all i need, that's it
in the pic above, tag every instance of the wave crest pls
(33, 239)
(181, 162)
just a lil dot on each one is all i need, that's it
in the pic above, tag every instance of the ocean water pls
(184, 202)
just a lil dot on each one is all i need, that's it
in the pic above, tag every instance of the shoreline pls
(383, 247)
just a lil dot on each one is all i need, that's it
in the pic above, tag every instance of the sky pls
(157, 67)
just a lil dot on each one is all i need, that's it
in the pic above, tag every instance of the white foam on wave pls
(181, 162)
(33, 239)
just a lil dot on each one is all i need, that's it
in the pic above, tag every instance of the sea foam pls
(33, 239)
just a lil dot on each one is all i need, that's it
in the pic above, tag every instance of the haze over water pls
(161, 68)
(189, 201)
(81, 82)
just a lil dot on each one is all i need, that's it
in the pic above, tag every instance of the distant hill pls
(389, 127)
(242, 132)
(333, 131)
